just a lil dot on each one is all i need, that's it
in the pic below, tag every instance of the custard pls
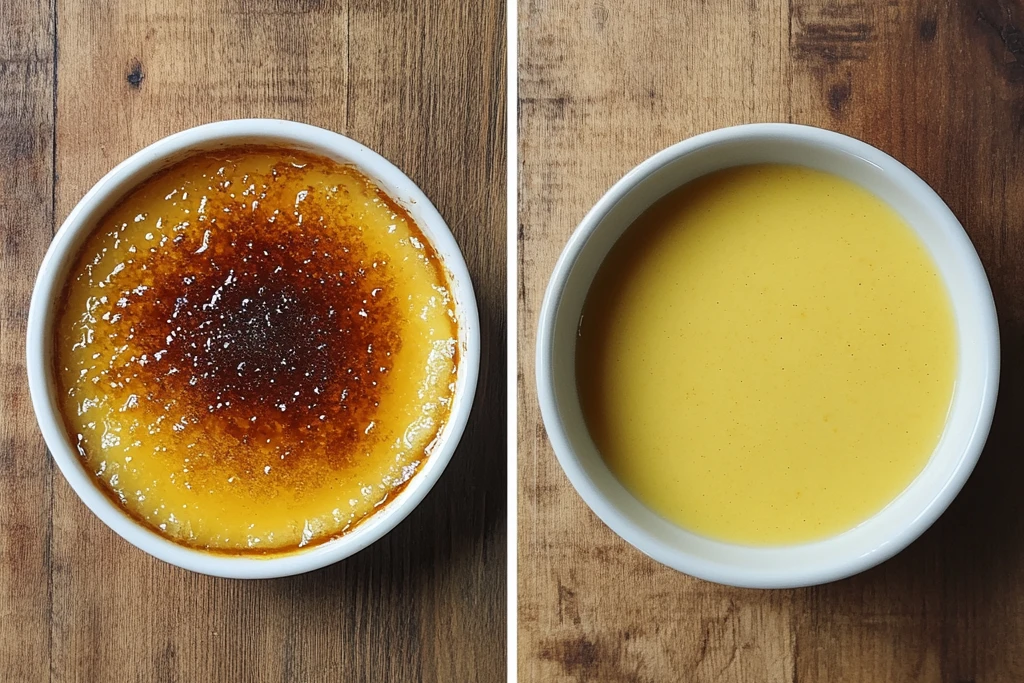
(257, 348)
(767, 356)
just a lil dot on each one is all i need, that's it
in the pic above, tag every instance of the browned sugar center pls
(275, 332)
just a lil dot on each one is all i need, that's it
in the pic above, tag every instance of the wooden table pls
(83, 85)
(939, 85)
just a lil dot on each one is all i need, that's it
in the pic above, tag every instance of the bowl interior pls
(104, 196)
(970, 414)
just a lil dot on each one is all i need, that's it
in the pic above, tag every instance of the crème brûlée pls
(257, 349)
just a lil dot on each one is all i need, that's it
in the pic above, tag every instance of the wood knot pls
(135, 74)
(927, 30)
(838, 94)
(578, 656)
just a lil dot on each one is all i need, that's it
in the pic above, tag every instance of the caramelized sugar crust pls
(249, 347)
(275, 332)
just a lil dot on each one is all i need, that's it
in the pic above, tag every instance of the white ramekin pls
(103, 196)
(970, 415)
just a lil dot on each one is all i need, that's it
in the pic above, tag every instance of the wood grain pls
(940, 85)
(26, 217)
(423, 84)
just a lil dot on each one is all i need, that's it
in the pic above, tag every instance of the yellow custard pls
(767, 356)
(257, 347)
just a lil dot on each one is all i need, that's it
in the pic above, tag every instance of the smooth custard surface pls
(257, 347)
(767, 356)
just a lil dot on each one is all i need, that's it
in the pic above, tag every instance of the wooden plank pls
(936, 84)
(600, 90)
(448, 134)
(427, 601)
(26, 220)
(941, 87)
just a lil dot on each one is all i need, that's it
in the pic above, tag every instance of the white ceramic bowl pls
(128, 175)
(970, 416)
